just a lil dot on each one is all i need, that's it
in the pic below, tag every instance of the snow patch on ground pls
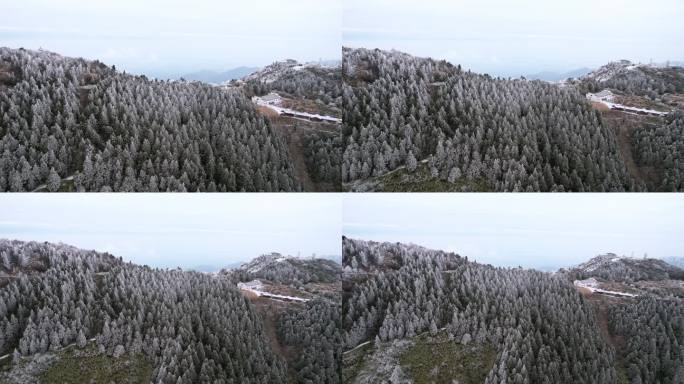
(299, 114)
(357, 347)
(633, 109)
(270, 295)
(593, 286)
(625, 108)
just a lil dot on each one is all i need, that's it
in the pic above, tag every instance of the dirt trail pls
(293, 130)
(269, 311)
(296, 148)
(601, 305)
(624, 126)
(270, 329)
(625, 144)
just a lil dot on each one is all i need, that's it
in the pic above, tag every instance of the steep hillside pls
(651, 144)
(510, 325)
(661, 146)
(639, 304)
(299, 302)
(415, 315)
(72, 124)
(90, 310)
(456, 130)
(652, 331)
(314, 335)
(307, 111)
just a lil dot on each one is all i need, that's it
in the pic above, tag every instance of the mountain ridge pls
(289, 269)
(219, 77)
(553, 76)
(626, 269)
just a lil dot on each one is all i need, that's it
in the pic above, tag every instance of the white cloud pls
(522, 229)
(178, 229)
(525, 35)
(155, 36)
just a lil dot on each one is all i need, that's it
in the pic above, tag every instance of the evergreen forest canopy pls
(323, 155)
(656, 145)
(62, 118)
(541, 327)
(663, 147)
(314, 330)
(192, 327)
(313, 88)
(72, 124)
(508, 135)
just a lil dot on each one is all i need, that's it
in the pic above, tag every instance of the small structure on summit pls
(255, 287)
(273, 101)
(607, 98)
(605, 95)
(270, 99)
(594, 286)
(251, 285)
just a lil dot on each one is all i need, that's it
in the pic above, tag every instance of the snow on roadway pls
(43, 186)
(273, 295)
(306, 115)
(357, 347)
(633, 109)
(625, 108)
(592, 285)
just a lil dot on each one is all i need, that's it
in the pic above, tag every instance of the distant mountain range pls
(556, 76)
(676, 261)
(213, 268)
(216, 77)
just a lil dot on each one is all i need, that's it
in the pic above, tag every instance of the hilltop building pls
(270, 99)
(605, 95)
(251, 285)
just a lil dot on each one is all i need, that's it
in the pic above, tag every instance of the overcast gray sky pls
(531, 230)
(506, 37)
(158, 37)
(187, 230)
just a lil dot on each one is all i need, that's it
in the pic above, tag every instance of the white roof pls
(253, 283)
(271, 97)
(605, 92)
